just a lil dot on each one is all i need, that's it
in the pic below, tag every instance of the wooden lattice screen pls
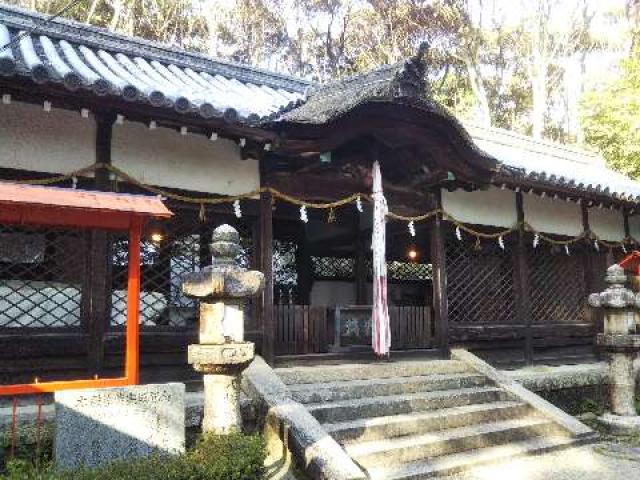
(483, 289)
(479, 282)
(181, 247)
(557, 285)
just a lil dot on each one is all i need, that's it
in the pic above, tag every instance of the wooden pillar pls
(98, 285)
(266, 256)
(360, 269)
(591, 280)
(521, 282)
(627, 228)
(588, 254)
(303, 267)
(439, 281)
(132, 358)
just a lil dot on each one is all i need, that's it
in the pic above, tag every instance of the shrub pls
(233, 457)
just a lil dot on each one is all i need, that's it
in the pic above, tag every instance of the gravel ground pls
(581, 463)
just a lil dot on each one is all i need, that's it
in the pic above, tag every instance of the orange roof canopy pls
(54, 206)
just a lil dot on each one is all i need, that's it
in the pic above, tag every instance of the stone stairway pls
(417, 419)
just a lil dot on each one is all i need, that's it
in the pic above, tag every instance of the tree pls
(611, 119)
(246, 31)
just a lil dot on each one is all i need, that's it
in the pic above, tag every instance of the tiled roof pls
(554, 164)
(82, 57)
(86, 58)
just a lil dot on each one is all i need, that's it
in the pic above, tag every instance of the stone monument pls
(96, 426)
(621, 343)
(222, 353)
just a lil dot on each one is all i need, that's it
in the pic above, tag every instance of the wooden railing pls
(411, 327)
(302, 329)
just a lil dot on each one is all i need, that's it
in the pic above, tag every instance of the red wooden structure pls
(50, 206)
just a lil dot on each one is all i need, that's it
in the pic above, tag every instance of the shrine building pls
(494, 239)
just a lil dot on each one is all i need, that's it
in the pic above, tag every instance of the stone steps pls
(354, 389)
(450, 441)
(411, 420)
(379, 428)
(364, 371)
(462, 461)
(345, 410)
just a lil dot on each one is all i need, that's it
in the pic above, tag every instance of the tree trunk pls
(483, 111)
(539, 64)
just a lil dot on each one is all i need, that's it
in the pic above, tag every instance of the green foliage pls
(611, 118)
(233, 457)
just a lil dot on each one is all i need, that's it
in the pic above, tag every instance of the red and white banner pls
(380, 315)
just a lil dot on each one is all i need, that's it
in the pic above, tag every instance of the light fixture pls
(412, 253)
(156, 237)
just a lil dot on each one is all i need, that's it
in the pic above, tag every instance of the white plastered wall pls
(607, 224)
(192, 162)
(482, 207)
(553, 216)
(59, 141)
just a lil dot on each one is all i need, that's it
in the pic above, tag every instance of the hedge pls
(233, 457)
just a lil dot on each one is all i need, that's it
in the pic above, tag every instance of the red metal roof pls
(38, 205)
(631, 263)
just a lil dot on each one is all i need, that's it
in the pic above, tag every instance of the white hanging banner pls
(381, 330)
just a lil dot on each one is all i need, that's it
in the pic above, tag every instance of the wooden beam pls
(627, 228)
(521, 281)
(330, 186)
(98, 284)
(360, 263)
(266, 247)
(439, 279)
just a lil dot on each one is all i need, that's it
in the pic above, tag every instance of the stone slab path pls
(581, 463)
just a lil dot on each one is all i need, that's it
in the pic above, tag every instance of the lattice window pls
(169, 250)
(408, 271)
(479, 282)
(557, 285)
(333, 268)
(42, 271)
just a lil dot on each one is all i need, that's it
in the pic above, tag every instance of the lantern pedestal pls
(222, 354)
(621, 343)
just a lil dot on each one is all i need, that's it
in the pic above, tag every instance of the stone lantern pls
(222, 353)
(621, 342)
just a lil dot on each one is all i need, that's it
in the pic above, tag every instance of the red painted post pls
(132, 359)
(14, 421)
